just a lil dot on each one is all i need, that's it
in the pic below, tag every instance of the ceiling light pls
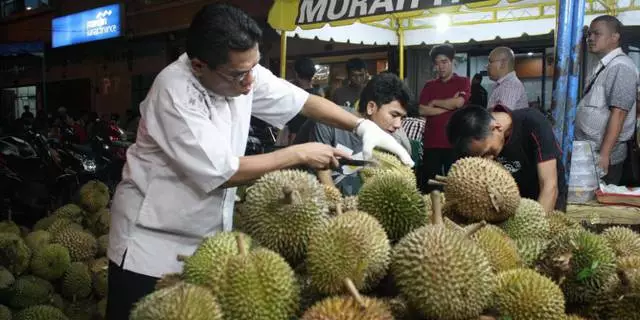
(442, 22)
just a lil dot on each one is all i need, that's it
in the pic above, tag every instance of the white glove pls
(372, 136)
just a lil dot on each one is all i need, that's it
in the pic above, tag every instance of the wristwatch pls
(355, 129)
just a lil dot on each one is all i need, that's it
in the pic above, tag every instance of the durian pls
(93, 196)
(623, 240)
(169, 280)
(257, 284)
(207, 264)
(50, 262)
(353, 245)
(581, 262)
(500, 249)
(70, 211)
(529, 221)
(349, 203)
(5, 313)
(385, 162)
(395, 202)
(8, 226)
(559, 222)
(103, 245)
(183, 301)
(76, 282)
(531, 249)
(37, 239)
(334, 197)
(14, 253)
(40, 312)
(81, 244)
(281, 209)
(353, 307)
(29, 291)
(525, 294)
(99, 273)
(443, 273)
(100, 222)
(481, 189)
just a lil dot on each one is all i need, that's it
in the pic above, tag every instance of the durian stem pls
(625, 283)
(290, 195)
(436, 204)
(242, 249)
(338, 208)
(441, 178)
(182, 258)
(475, 228)
(433, 182)
(354, 292)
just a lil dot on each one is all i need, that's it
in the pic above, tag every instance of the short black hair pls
(355, 64)
(445, 49)
(382, 89)
(467, 124)
(612, 23)
(305, 68)
(217, 29)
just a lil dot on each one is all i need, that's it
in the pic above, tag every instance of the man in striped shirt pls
(508, 90)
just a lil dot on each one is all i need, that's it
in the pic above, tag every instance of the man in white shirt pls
(179, 181)
(606, 114)
(508, 90)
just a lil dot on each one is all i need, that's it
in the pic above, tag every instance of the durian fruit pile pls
(478, 251)
(57, 269)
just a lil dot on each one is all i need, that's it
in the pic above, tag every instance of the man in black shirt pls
(522, 140)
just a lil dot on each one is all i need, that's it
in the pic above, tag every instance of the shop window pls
(8, 7)
(33, 4)
(23, 96)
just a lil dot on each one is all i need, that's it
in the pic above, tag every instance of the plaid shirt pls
(414, 127)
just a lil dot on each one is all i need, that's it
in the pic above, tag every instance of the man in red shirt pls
(439, 98)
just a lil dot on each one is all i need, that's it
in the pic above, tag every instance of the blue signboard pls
(86, 26)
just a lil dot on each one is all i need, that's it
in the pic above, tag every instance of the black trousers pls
(434, 162)
(125, 289)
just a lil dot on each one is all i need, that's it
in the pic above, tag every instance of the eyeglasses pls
(238, 78)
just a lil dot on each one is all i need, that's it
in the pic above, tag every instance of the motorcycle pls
(32, 182)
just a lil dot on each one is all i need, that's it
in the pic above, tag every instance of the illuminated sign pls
(86, 26)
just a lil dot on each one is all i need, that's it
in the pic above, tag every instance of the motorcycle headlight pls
(89, 165)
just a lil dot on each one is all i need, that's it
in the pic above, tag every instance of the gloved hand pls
(372, 136)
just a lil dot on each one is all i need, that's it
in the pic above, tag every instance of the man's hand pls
(318, 155)
(372, 136)
(603, 162)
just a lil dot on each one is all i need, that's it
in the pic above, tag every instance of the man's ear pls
(372, 107)
(198, 66)
(497, 126)
(616, 36)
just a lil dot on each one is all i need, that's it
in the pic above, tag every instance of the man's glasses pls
(237, 78)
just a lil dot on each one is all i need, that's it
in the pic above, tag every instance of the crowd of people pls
(456, 117)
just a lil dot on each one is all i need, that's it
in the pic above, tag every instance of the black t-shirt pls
(296, 123)
(531, 141)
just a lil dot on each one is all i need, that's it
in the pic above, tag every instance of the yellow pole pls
(401, 49)
(283, 54)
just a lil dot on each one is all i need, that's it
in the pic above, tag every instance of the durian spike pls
(441, 178)
(338, 208)
(182, 258)
(354, 292)
(242, 248)
(433, 182)
(290, 195)
(475, 228)
(436, 204)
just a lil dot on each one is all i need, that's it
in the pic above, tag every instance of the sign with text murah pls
(86, 26)
(314, 11)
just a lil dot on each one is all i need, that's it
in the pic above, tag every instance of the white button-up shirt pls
(189, 143)
(509, 92)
